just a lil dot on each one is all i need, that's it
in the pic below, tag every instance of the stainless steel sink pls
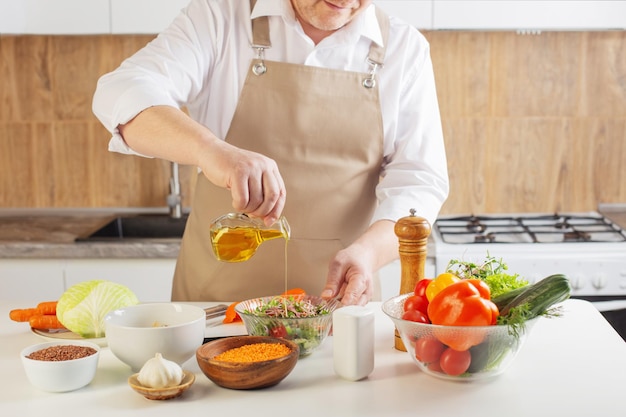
(143, 226)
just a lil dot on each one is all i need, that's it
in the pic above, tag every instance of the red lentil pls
(62, 353)
(255, 352)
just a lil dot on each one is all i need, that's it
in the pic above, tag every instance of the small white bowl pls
(136, 333)
(60, 376)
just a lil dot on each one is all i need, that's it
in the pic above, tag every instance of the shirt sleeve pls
(168, 71)
(415, 174)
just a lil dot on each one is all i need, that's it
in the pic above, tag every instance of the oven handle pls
(611, 305)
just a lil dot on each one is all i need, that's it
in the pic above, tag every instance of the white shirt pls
(201, 60)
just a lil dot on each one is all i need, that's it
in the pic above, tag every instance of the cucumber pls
(540, 296)
(505, 298)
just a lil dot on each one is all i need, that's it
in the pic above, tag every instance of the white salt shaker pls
(353, 342)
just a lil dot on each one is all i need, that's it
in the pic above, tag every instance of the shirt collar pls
(273, 8)
(365, 24)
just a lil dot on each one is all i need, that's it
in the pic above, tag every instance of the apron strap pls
(377, 52)
(260, 30)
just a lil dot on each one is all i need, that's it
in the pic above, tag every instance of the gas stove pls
(550, 228)
(588, 248)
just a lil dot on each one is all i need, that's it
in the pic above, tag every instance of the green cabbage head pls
(83, 306)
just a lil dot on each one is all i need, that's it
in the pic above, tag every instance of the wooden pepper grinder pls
(412, 232)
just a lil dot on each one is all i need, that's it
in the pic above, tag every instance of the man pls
(324, 111)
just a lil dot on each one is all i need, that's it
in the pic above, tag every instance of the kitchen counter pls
(50, 233)
(573, 366)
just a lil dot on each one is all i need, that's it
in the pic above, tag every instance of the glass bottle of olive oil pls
(235, 237)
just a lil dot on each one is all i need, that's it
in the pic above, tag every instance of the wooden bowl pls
(245, 375)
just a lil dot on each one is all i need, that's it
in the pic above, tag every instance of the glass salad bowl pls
(487, 350)
(307, 332)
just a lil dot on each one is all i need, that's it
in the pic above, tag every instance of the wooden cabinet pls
(52, 17)
(529, 15)
(35, 280)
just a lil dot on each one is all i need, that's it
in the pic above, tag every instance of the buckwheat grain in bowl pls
(60, 366)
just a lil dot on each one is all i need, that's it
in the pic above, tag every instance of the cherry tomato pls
(415, 315)
(278, 331)
(420, 287)
(435, 367)
(416, 302)
(428, 349)
(454, 362)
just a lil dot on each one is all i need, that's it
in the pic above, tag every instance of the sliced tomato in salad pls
(278, 331)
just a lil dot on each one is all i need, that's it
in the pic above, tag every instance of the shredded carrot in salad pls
(289, 307)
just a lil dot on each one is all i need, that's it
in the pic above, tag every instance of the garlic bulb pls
(159, 372)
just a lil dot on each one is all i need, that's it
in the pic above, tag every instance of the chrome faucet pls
(174, 198)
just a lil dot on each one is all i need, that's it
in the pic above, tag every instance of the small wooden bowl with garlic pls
(161, 379)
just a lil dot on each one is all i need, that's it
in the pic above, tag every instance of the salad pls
(304, 319)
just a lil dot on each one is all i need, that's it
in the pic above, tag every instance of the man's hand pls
(351, 272)
(350, 277)
(256, 186)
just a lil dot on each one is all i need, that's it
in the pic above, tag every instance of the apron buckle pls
(370, 81)
(259, 68)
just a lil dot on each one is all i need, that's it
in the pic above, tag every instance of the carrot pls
(231, 315)
(45, 322)
(22, 314)
(47, 307)
(296, 293)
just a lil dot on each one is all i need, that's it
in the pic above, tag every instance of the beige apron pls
(324, 129)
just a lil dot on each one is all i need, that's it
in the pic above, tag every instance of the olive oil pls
(238, 244)
(235, 237)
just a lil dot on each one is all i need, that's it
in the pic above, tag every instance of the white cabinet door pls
(149, 279)
(54, 17)
(415, 12)
(31, 280)
(143, 16)
(529, 15)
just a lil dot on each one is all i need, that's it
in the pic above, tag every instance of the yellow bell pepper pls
(442, 281)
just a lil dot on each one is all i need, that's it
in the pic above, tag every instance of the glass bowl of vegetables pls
(454, 329)
(462, 353)
(304, 319)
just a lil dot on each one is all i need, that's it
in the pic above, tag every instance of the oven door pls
(613, 308)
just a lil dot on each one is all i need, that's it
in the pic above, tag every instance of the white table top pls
(574, 365)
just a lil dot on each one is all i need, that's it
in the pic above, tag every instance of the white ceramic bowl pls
(136, 333)
(60, 376)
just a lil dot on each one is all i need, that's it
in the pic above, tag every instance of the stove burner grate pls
(552, 228)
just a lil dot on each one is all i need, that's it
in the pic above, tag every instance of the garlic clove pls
(159, 372)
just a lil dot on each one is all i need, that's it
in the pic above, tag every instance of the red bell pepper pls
(463, 303)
